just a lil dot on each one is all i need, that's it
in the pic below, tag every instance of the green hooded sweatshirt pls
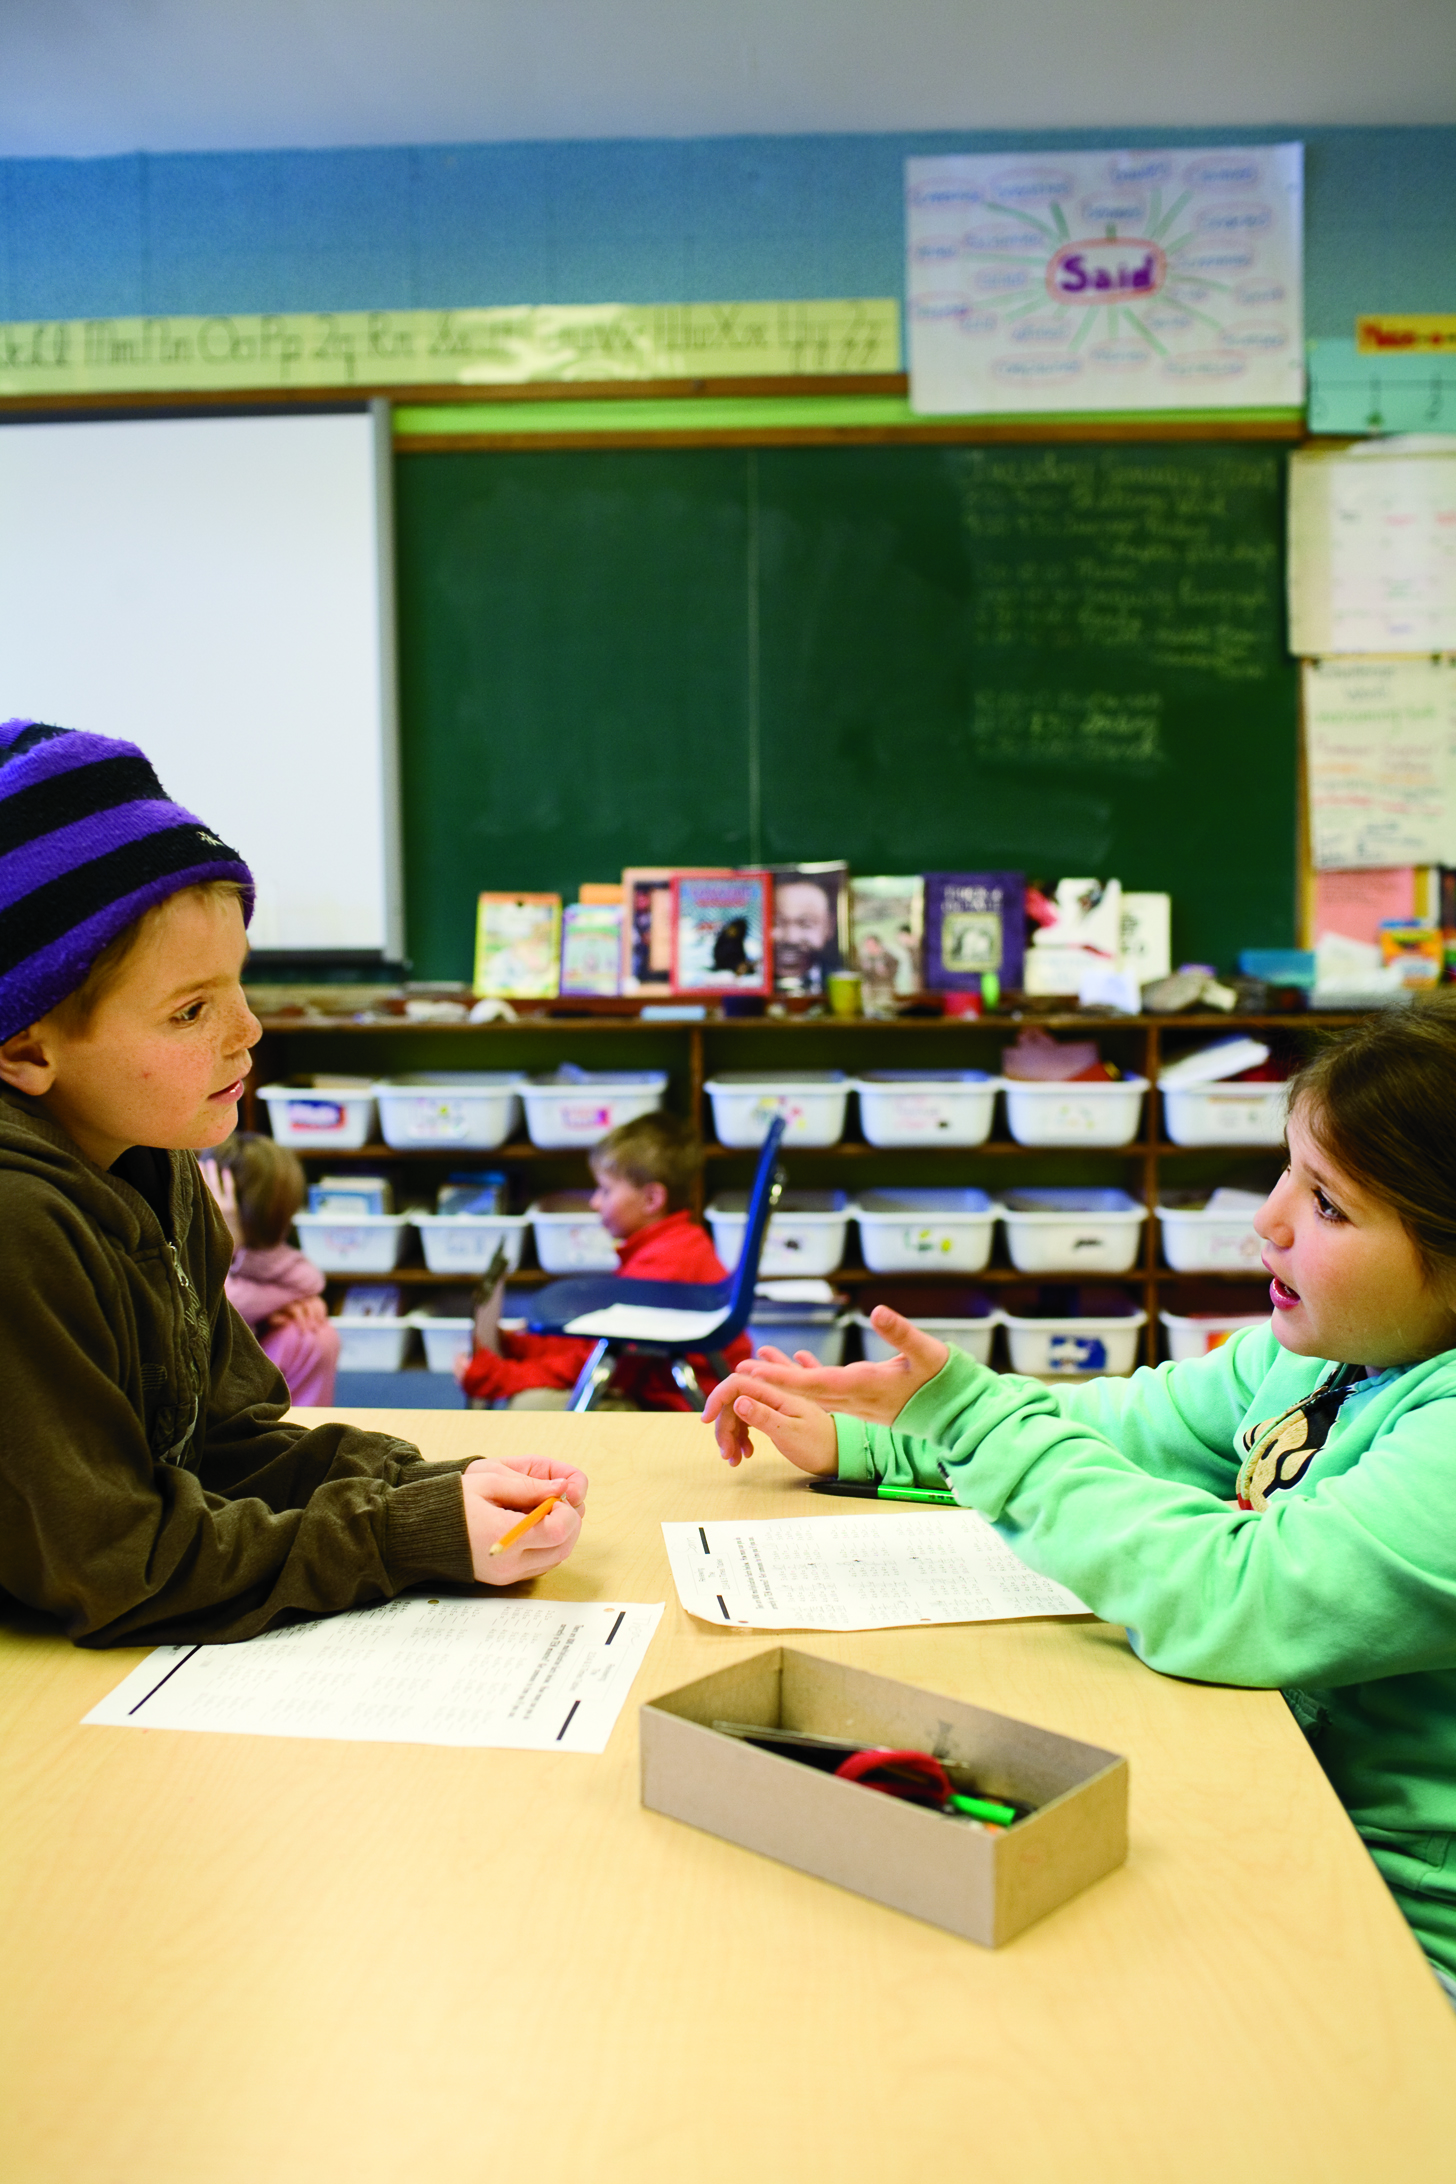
(1340, 1589)
(148, 1489)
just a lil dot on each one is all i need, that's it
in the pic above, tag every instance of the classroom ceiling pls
(98, 76)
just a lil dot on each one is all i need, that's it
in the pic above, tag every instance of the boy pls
(644, 1173)
(149, 1489)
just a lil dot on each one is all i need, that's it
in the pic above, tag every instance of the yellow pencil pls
(508, 1539)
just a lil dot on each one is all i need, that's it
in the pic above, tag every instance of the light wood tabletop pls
(245, 1960)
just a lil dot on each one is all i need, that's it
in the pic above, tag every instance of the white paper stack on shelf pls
(1210, 1064)
(1104, 947)
(1350, 974)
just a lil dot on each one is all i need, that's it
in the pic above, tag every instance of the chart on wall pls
(1106, 280)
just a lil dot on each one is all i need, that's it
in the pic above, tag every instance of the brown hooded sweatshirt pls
(148, 1490)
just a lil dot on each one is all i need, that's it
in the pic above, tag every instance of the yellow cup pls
(844, 993)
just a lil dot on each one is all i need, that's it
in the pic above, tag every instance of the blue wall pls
(630, 222)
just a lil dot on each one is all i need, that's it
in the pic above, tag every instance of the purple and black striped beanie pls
(89, 839)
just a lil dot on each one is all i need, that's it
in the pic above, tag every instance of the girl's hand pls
(498, 1495)
(875, 1392)
(301, 1312)
(797, 1428)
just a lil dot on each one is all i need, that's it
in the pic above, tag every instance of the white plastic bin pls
(811, 1101)
(908, 1231)
(445, 1338)
(472, 1110)
(1065, 1231)
(322, 1116)
(357, 1243)
(1226, 1114)
(1075, 1114)
(806, 1231)
(465, 1243)
(1195, 1334)
(1049, 1348)
(1209, 1240)
(926, 1106)
(974, 1336)
(371, 1345)
(569, 1237)
(579, 1109)
(820, 1328)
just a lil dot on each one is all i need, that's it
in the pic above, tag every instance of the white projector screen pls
(220, 591)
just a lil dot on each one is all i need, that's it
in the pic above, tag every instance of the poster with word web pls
(1094, 281)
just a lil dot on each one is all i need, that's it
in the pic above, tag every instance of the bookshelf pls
(603, 1036)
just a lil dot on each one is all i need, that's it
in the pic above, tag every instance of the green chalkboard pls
(1053, 658)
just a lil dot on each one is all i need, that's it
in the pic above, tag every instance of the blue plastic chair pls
(663, 1319)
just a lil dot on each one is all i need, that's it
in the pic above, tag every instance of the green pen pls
(875, 1490)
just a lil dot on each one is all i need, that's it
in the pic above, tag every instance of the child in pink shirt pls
(260, 1186)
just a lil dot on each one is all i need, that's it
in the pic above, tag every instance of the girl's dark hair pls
(1381, 1101)
(269, 1181)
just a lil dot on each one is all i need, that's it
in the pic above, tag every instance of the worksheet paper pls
(1380, 743)
(525, 1675)
(857, 1573)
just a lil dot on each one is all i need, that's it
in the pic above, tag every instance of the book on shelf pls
(591, 948)
(518, 946)
(974, 925)
(886, 929)
(647, 925)
(810, 924)
(1147, 935)
(722, 938)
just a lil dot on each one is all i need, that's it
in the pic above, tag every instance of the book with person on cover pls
(886, 921)
(974, 924)
(647, 925)
(591, 947)
(810, 913)
(518, 946)
(721, 937)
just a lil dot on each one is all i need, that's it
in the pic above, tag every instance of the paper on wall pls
(1372, 550)
(1106, 280)
(1380, 746)
(1354, 904)
(870, 1572)
(527, 1675)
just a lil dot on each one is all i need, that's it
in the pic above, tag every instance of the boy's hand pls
(498, 1495)
(877, 1393)
(797, 1428)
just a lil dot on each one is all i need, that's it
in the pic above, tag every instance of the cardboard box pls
(982, 1885)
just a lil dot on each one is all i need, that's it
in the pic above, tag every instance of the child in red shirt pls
(644, 1174)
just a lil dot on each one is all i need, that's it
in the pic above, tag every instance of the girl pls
(1282, 1512)
(260, 1186)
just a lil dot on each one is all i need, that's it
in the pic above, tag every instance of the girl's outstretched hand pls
(877, 1393)
(797, 1427)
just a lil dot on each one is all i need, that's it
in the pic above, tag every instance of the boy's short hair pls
(270, 1186)
(78, 1008)
(103, 843)
(656, 1148)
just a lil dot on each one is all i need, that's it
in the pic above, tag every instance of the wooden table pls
(235, 1960)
